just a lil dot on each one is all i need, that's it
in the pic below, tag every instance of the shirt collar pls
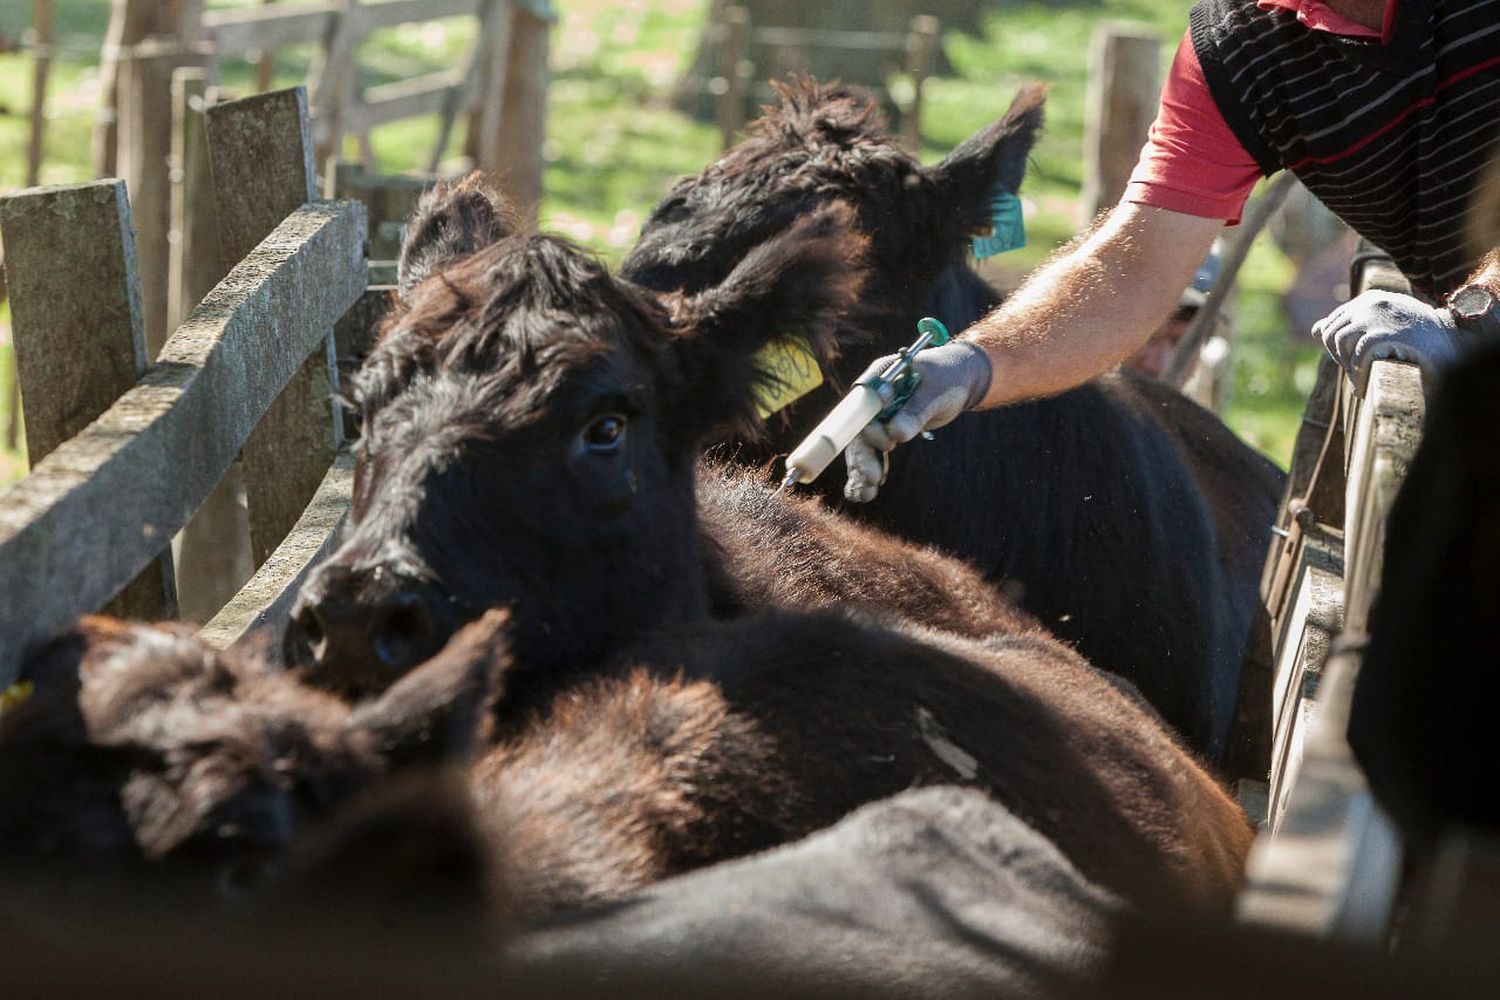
(1319, 17)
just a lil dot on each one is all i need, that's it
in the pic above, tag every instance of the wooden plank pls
(389, 200)
(154, 456)
(516, 158)
(870, 41)
(333, 91)
(213, 550)
(387, 13)
(734, 50)
(486, 116)
(145, 146)
(236, 34)
(41, 68)
(1333, 867)
(921, 47)
(261, 151)
(265, 602)
(355, 334)
(78, 345)
(1124, 81)
(420, 95)
(1385, 438)
(494, 21)
(1314, 621)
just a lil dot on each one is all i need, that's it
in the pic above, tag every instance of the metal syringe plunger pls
(878, 397)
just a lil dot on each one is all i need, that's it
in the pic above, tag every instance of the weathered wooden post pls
(497, 28)
(41, 40)
(262, 155)
(508, 128)
(41, 67)
(921, 48)
(79, 331)
(213, 556)
(1124, 86)
(130, 23)
(335, 80)
(145, 148)
(265, 63)
(733, 81)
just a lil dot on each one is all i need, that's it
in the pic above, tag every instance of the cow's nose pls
(360, 639)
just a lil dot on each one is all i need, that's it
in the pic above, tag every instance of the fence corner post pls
(79, 345)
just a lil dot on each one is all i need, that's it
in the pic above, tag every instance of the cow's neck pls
(958, 297)
(673, 590)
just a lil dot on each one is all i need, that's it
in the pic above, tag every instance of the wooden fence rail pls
(1329, 861)
(106, 502)
(507, 39)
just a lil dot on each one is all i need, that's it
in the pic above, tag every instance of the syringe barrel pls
(818, 450)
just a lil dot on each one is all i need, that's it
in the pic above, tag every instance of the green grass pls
(614, 143)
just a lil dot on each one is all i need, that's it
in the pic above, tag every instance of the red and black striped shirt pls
(1394, 137)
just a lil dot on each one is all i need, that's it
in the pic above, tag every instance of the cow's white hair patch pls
(964, 764)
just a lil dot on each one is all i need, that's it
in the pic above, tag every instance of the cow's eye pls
(605, 433)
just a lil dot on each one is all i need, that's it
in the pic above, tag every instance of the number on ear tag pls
(793, 373)
(1007, 229)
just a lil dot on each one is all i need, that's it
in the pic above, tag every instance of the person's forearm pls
(1092, 305)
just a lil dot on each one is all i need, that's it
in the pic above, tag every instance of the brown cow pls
(703, 743)
(531, 433)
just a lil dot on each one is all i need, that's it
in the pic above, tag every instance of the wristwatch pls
(1476, 308)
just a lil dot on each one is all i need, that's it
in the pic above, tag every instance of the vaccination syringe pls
(876, 397)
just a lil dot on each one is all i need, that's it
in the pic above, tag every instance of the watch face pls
(1471, 301)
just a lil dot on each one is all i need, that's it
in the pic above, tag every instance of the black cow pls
(1421, 718)
(1132, 521)
(531, 432)
(939, 892)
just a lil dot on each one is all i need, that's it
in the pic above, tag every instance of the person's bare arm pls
(1093, 305)
(1078, 315)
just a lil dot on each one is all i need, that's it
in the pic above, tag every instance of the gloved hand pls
(1378, 324)
(954, 378)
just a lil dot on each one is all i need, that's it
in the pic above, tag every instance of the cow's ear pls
(957, 197)
(801, 283)
(451, 221)
(442, 710)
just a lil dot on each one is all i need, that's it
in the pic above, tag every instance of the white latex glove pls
(1378, 324)
(954, 378)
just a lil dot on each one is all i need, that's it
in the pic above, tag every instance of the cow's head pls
(825, 144)
(140, 746)
(530, 428)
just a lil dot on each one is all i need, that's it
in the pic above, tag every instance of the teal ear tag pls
(1007, 230)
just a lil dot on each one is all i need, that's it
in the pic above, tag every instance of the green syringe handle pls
(935, 327)
(930, 333)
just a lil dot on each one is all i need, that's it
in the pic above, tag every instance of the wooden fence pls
(508, 66)
(738, 80)
(1328, 862)
(500, 92)
(125, 453)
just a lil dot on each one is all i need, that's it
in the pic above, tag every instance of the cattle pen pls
(124, 454)
(276, 290)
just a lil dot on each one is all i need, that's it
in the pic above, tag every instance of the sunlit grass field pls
(614, 142)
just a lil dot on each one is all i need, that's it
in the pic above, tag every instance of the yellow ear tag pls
(793, 372)
(15, 695)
